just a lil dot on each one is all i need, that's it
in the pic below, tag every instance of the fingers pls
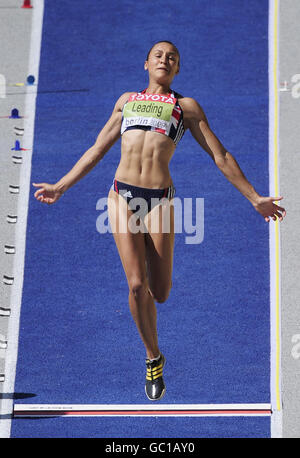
(45, 200)
(279, 215)
(274, 216)
(41, 194)
(277, 211)
(280, 210)
(39, 191)
(41, 198)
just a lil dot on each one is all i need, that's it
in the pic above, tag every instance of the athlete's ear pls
(146, 65)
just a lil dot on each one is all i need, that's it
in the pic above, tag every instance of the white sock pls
(155, 359)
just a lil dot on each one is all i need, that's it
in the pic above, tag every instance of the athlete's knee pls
(137, 286)
(162, 293)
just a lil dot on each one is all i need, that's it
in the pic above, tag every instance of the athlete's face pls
(163, 62)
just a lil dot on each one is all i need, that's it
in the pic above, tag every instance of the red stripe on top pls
(143, 412)
(176, 115)
(116, 187)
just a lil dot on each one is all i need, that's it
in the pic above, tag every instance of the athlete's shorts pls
(140, 199)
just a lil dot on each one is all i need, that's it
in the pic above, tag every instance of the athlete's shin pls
(143, 311)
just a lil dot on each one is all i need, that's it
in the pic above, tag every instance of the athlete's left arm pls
(196, 121)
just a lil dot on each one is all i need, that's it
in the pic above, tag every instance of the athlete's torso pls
(154, 112)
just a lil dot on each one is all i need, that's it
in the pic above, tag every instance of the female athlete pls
(151, 123)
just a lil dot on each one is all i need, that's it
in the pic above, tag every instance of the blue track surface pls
(78, 343)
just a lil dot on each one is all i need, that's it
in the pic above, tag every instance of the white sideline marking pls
(170, 410)
(25, 175)
(274, 229)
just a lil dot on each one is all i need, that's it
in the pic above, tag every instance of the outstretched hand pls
(47, 193)
(268, 209)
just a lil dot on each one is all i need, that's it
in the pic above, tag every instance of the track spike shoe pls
(155, 387)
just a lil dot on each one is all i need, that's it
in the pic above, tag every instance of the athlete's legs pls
(132, 251)
(159, 249)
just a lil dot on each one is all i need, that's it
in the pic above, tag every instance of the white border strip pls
(141, 410)
(274, 229)
(23, 199)
(11, 357)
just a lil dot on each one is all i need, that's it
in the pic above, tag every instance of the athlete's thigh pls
(130, 245)
(160, 247)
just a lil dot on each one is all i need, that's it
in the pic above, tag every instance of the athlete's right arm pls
(50, 193)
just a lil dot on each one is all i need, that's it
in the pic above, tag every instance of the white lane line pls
(25, 175)
(141, 410)
(274, 230)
